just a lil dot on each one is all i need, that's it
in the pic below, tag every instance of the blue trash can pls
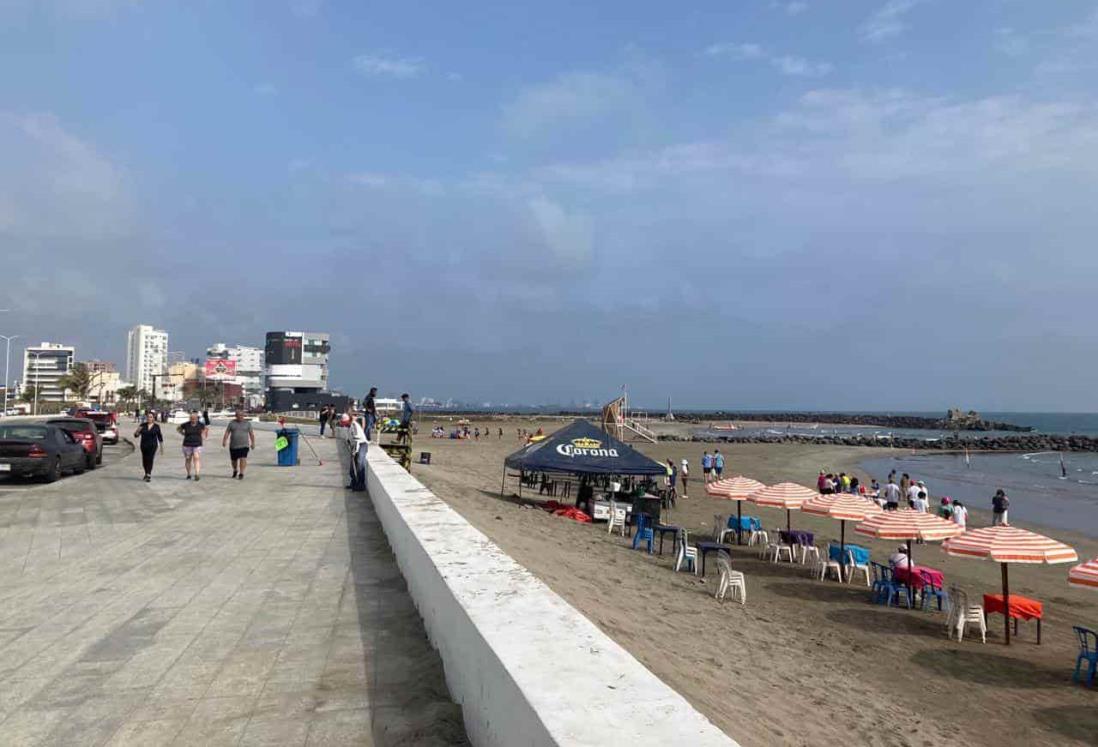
(287, 457)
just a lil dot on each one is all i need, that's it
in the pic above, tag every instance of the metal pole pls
(7, 364)
(37, 365)
(1006, 600)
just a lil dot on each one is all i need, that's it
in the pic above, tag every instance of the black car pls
(39, 450)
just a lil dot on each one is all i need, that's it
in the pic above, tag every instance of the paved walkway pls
(262, 611)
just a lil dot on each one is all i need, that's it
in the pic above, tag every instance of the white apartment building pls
(43, 367)
(249, 368)
(146, 354)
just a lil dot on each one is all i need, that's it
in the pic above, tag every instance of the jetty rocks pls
(955, 420)
(1027, 443)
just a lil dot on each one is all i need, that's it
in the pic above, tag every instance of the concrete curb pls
(526, 667)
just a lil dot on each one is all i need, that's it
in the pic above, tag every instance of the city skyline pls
(867, 205)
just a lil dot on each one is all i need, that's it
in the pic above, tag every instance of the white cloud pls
(306, 8)
(735, 51)
(265, 89)
(888, 21)
(1010, 42)
(380, 66)
(795, 8)
(566, 100)
(568, 236)
(783, 63)
(798, 66)
(379, 180)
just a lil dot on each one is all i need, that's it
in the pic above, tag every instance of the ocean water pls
(1038, 493)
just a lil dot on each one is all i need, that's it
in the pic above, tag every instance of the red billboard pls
(218, 369)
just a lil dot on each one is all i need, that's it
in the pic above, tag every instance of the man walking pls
(406, 413)
(707, 467)
(684, 475)
(718, 463)
(241, 438)
(194, 433)
(357, 444)
(370, 408)
(324, 415)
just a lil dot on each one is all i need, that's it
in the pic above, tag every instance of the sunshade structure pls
(844, 507)
(785, 495)
(1007, 545)
(735, 489)
(908, 524)
(582, 449)
(1085, 574)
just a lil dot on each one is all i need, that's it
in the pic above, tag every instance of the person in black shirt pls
(194, 432)
(151, 440)
(370, 409)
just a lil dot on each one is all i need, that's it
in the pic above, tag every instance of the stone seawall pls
(1033, 442)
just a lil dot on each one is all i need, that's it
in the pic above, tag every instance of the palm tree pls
(77, 381)
(27, 395)
(126, 395)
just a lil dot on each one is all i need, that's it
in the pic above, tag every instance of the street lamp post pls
(7, 362)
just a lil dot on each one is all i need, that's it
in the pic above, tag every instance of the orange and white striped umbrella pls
(1085, 574)
(908, 524)
(734, 488)
(1009, 545)
(787, 495)
(842, 506)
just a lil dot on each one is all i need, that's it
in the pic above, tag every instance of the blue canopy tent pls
(581, 449)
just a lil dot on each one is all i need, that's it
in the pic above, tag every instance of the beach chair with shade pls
(1088, 652)
(961, 613)
(853, 565)
(687, 555)
(931, 591)
(618, 516)
(730, 580)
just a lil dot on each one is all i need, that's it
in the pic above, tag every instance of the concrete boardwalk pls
(263, 611)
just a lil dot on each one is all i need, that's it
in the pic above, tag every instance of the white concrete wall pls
(526, 667)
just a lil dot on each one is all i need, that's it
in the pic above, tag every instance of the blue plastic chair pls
(879, 586)
(644, 533)
(893, 589)
(933, 591)
(1088, 652)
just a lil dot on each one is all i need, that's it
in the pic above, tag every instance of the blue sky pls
(752, 203)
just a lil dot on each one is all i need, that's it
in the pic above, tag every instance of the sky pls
(878, 204)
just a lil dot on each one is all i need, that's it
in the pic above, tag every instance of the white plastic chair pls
(686, 554)
(825, 565)
(810, 550)
(779, 546)
(852, 566)
(721, 528)
(730, 580)
(758, 536)
(617, 519)
(962, 613)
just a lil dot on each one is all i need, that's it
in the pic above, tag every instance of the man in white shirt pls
(913, 494)
(898, 559)
(922, 504)
(892, 495)
(960, 514)
(357, 443)
(684, 474)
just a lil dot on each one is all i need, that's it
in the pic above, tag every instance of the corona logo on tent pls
(585, 447)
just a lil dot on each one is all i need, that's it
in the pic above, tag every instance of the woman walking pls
(151, 440)
(194, 433)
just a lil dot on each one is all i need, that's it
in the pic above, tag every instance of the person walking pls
(707, 466)
(323, 417)
(718, 463)
(194, 433)
(960, 515)
(357, 443)
(206, 416)
(1000, 504)
(684, 475)
(369, 406)
(151, 439)
(241, 439)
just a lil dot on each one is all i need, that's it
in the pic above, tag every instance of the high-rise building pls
(43, 367)
(96, 366)
(249, 373)
(297, 371)
(146, 356)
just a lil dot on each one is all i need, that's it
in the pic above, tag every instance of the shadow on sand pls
(409, 701)
(981, 666)
(1075, 722)
(901, 621)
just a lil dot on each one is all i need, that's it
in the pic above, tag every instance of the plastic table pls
(1021, 608)
(663, 529)
(704, 548)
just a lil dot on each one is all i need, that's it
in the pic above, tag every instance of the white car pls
(179, 416)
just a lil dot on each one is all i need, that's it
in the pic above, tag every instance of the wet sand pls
(804, 661)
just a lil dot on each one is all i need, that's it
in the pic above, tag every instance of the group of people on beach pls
(239, 437)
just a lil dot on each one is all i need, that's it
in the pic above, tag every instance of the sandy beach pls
(804, 662)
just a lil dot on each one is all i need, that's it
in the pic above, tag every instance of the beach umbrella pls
(1085, 574)
(844, 507)
(909, 524)
(785, 495)
(1006, 545)
(735, 489)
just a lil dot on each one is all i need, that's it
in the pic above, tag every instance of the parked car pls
(39, 450)
(105, 422)
(86, 433)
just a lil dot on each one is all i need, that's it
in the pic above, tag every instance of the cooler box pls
(287, 457)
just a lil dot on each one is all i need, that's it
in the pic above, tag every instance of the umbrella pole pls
(739, 522)
(788, 520)
(1006, 600)
(503, 483)
(910, 574)
(842, 549)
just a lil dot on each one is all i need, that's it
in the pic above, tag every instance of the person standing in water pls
(194, 434)
(151, 439)
(240, 438)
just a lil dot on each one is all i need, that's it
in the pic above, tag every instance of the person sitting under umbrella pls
(899, 558)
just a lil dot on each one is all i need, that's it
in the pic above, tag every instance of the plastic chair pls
(759, 537)
(721, 527)
(730, 580)
(893, 589)
(617, 519)
(644, 533)
(825, 565)
(932, 590)
(962, 613)
(852, 565)
(777, 547)
(1088, 652)
(687, 555)
(878, 586)
(807, 550)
